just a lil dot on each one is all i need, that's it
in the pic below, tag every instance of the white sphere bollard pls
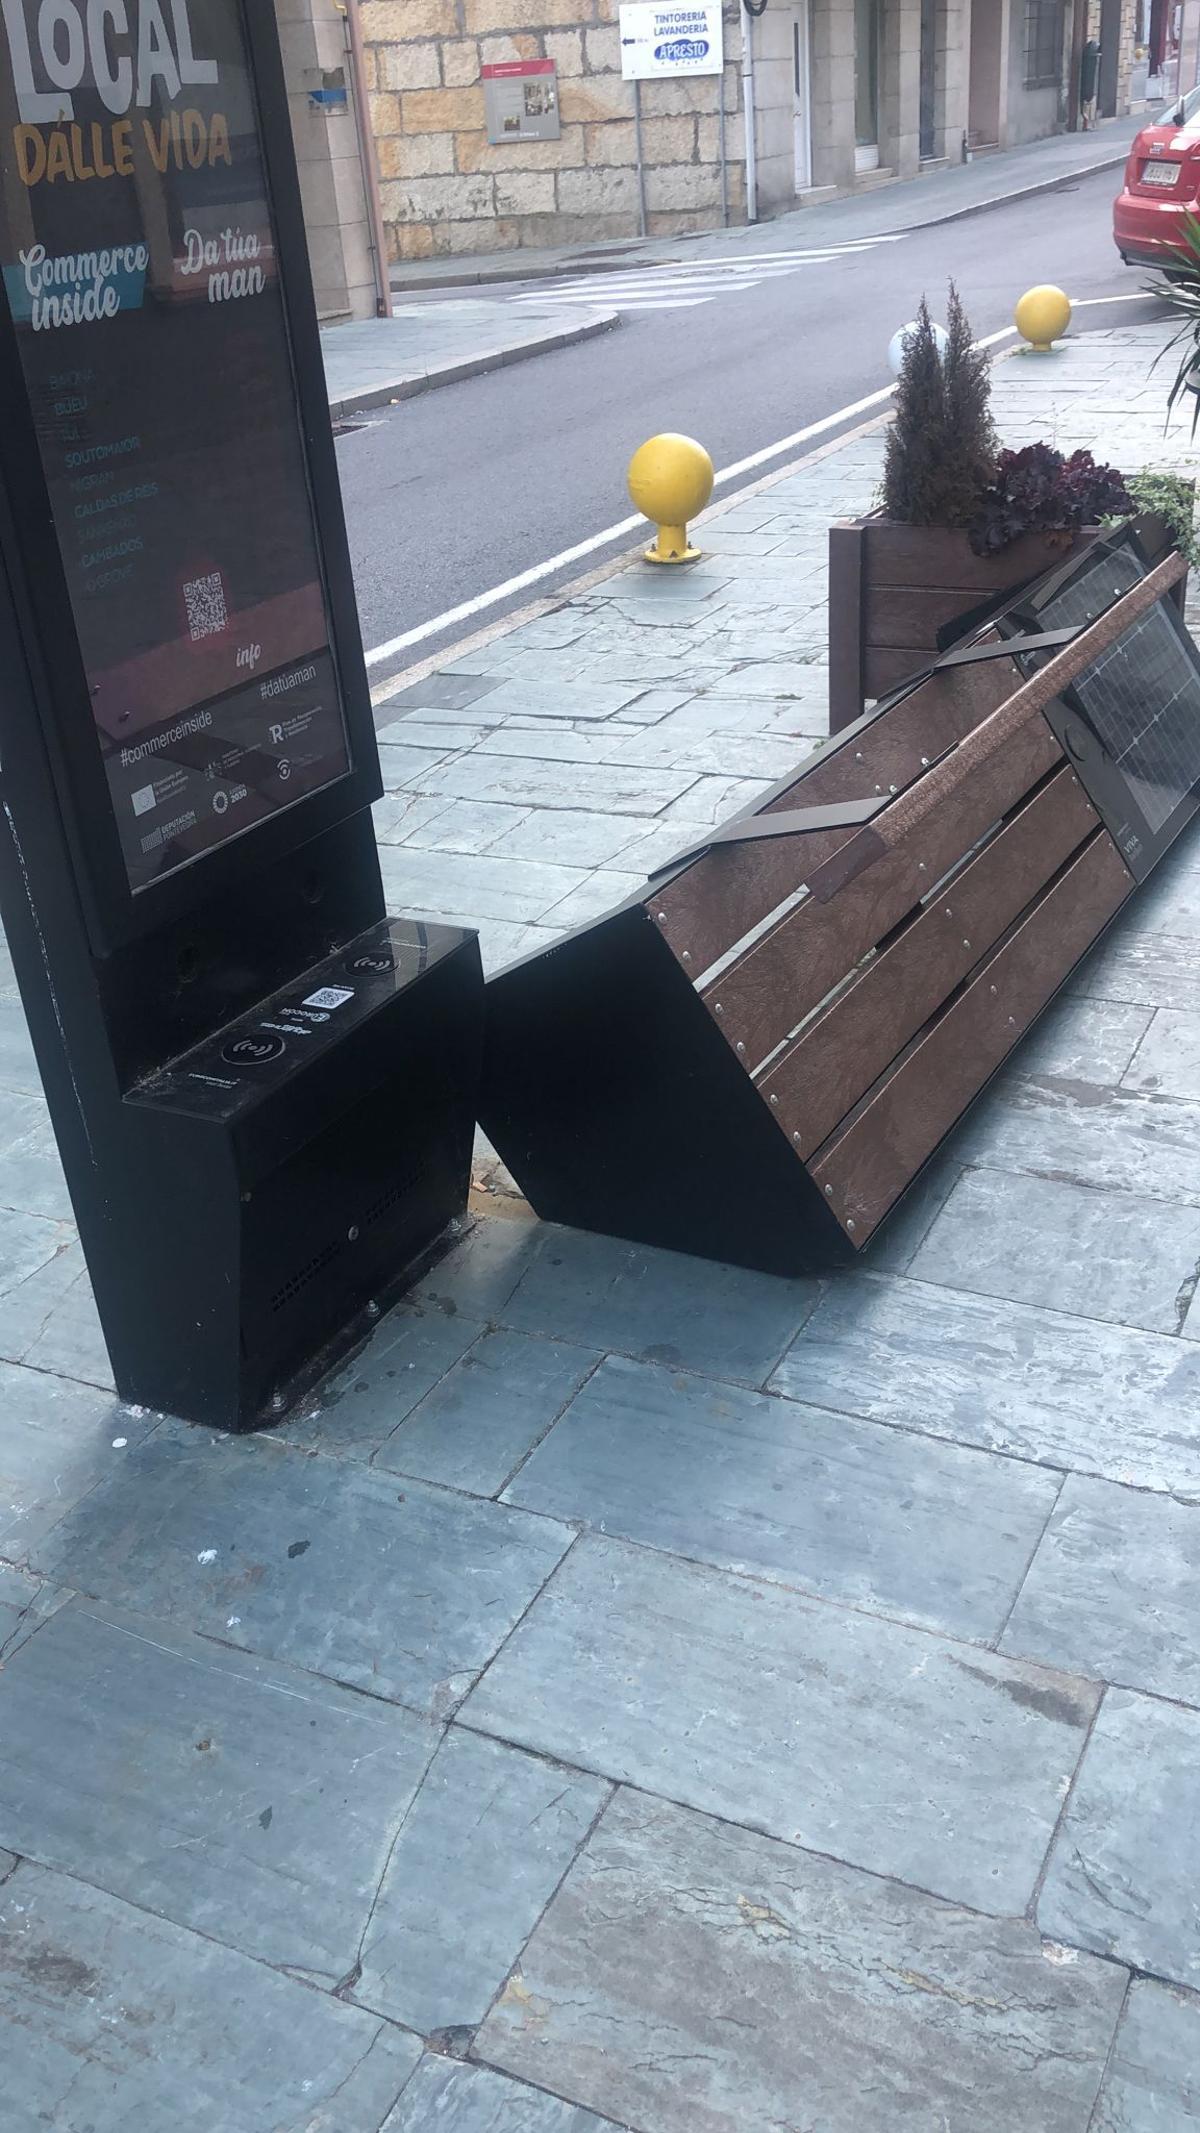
(899, 341)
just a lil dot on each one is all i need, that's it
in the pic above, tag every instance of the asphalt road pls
(463, 488)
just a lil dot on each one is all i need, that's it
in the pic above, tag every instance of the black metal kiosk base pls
(310, 1154)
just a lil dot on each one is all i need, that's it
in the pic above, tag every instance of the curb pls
(531, 271)
(1025, 192)
(408, 386)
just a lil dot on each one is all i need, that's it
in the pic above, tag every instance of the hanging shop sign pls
(658, 42)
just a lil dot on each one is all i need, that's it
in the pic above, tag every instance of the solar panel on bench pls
(1141, 702)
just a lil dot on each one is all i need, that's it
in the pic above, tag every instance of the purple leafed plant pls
(1039, 490)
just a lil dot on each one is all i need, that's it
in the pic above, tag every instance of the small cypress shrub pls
(941, 445)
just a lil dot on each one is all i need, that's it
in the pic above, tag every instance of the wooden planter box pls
(893, 587)
(755, 1057)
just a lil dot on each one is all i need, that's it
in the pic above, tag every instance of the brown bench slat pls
(720, 897)
(871, 1160)
(788, 973)
(837, 1057)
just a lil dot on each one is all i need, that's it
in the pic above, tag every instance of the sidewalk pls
(640, 1696)
(373, 361)
(911, 203)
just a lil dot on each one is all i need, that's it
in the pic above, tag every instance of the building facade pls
(844, 94)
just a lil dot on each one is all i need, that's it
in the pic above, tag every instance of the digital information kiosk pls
(263, 1090)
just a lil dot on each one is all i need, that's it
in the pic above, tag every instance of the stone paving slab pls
(27, 1243)
(31, 1175)
(1153, 2080)
(475, 1864)
(740, 1699)
(903, 1234)
(483, 1272)
(489, 1411)
(1038, 1240)
(694, 1978)
(1122, 1876)
(867, 1516)
(657, 1306)
(50, 1322)
(1120, 1142)
(321, 1563)
(112, 2021)
(17, 1593)
(445, 2096)
(359, 1406)
(1148, 970)
(18, 1065)
(1114, 1590)
(133, 1757)
(1066, 1392)
(58, 1442)
(1167, 1062)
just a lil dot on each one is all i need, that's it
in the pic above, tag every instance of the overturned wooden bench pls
(755, 1058)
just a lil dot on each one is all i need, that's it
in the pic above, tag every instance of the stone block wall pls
(445, 188)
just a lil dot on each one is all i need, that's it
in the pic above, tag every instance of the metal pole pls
(721, 142)
(366, 157)
(749, 116)
(637, 141)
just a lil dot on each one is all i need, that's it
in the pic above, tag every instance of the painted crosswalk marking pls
(681, 286)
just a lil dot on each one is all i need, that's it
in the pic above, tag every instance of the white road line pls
(723, 271)
(637, 292)
(812, 251)
(1140, 296)
(669, 302)
(651, 284)
(605, 290)
(659, 303)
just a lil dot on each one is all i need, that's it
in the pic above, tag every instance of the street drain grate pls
(343, 429)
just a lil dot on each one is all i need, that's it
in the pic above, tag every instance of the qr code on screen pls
(205, 602)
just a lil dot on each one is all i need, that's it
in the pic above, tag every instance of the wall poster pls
(140, 270)
(521, 100)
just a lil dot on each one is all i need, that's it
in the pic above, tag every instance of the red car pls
(1162, 185)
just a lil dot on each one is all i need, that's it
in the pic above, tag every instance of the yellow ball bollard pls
(1042, 316)
(670, 480)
